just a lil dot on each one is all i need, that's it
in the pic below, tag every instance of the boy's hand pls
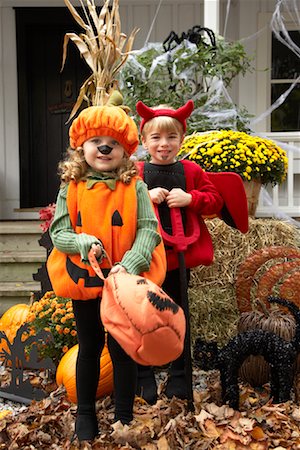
(177, 198)
(158, 195)
(117, 269)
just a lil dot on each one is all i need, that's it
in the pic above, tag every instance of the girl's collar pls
(109, 178)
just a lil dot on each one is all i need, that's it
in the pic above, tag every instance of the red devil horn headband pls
(180, 114)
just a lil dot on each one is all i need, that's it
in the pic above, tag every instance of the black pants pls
(172, 283)
(91, 339)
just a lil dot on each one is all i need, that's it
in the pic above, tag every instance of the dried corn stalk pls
(103, 47)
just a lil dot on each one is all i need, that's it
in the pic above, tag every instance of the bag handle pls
(95, 265)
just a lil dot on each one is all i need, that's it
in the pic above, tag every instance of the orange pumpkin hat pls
(109, 120)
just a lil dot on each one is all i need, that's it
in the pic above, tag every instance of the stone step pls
(20, 236)
(20, 266)
(12, 293)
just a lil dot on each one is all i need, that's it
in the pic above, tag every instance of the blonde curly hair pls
(74, 167)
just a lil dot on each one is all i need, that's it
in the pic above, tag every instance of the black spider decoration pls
(280, 354)
(193, 35)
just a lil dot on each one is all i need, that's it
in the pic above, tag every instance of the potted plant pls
(197, 65)
(257, 160)
(54, 314)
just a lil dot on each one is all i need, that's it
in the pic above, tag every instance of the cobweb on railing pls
(277, 213)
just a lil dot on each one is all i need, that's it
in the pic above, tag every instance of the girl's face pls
(162, 146)
(103, 153)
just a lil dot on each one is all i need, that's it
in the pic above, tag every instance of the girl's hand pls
(158, 195)
(117, 269)
(97, 249)
(177, 198)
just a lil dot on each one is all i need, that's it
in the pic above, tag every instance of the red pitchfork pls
(180, 242)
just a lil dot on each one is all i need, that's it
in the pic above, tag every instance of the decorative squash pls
(66, 373)
(250, 267)
(255, 370)
(11, 321)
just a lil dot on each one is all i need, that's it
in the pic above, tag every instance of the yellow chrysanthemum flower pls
(55, 315)
(252, 157)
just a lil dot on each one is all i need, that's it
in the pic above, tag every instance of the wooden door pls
(46, 97)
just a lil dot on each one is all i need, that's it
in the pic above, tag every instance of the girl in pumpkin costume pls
(102, 205)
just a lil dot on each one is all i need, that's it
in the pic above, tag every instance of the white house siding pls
(245, 19)
(9, 144)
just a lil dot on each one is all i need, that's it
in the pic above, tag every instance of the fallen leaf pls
(258, 433)
(211, 430)
(162, 443)
(229, 434)
(4, 413)
(201, 418)
(296, 414)
(220, 412)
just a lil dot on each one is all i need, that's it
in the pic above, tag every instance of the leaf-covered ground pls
(168, 425)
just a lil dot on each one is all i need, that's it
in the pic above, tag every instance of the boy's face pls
(103, 153)
(162, 146)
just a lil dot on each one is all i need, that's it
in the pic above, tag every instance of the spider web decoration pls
(218, 109)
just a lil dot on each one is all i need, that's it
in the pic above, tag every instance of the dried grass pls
(213, 309)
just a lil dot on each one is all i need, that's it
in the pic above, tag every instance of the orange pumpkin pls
(66, 373)
(11, 321)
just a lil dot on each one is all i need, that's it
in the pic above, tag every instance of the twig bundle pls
(104, 48)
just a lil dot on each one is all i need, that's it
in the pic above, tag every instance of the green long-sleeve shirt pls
(135, 260)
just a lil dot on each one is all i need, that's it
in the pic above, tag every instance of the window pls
(285, 69)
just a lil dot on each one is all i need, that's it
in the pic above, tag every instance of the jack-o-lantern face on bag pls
(145, 321)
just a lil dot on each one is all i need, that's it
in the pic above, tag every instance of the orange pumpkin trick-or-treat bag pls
(143, 319)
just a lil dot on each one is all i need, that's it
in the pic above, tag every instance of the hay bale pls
(213, 309)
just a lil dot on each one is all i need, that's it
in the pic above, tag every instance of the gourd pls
(66, 373)
(255, 370)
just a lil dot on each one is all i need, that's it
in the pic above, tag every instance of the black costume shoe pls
(86, 427)
(176, 385)
(146, 385)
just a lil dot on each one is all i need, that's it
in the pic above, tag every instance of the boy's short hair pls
(163, 123)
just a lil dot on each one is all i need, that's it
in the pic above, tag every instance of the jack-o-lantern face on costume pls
(145, 321)
(114, 224)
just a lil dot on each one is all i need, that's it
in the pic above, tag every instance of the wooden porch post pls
(212, 15)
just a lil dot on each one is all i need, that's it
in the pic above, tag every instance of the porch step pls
(21, 256)
(12, 293)
(20, 265)
(20, 235)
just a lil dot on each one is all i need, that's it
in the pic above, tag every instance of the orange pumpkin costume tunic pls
(111, 216)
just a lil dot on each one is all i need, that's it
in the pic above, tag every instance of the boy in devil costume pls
(174, 184)
(182, 184)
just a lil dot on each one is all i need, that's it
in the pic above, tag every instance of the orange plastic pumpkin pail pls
(145, 321)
